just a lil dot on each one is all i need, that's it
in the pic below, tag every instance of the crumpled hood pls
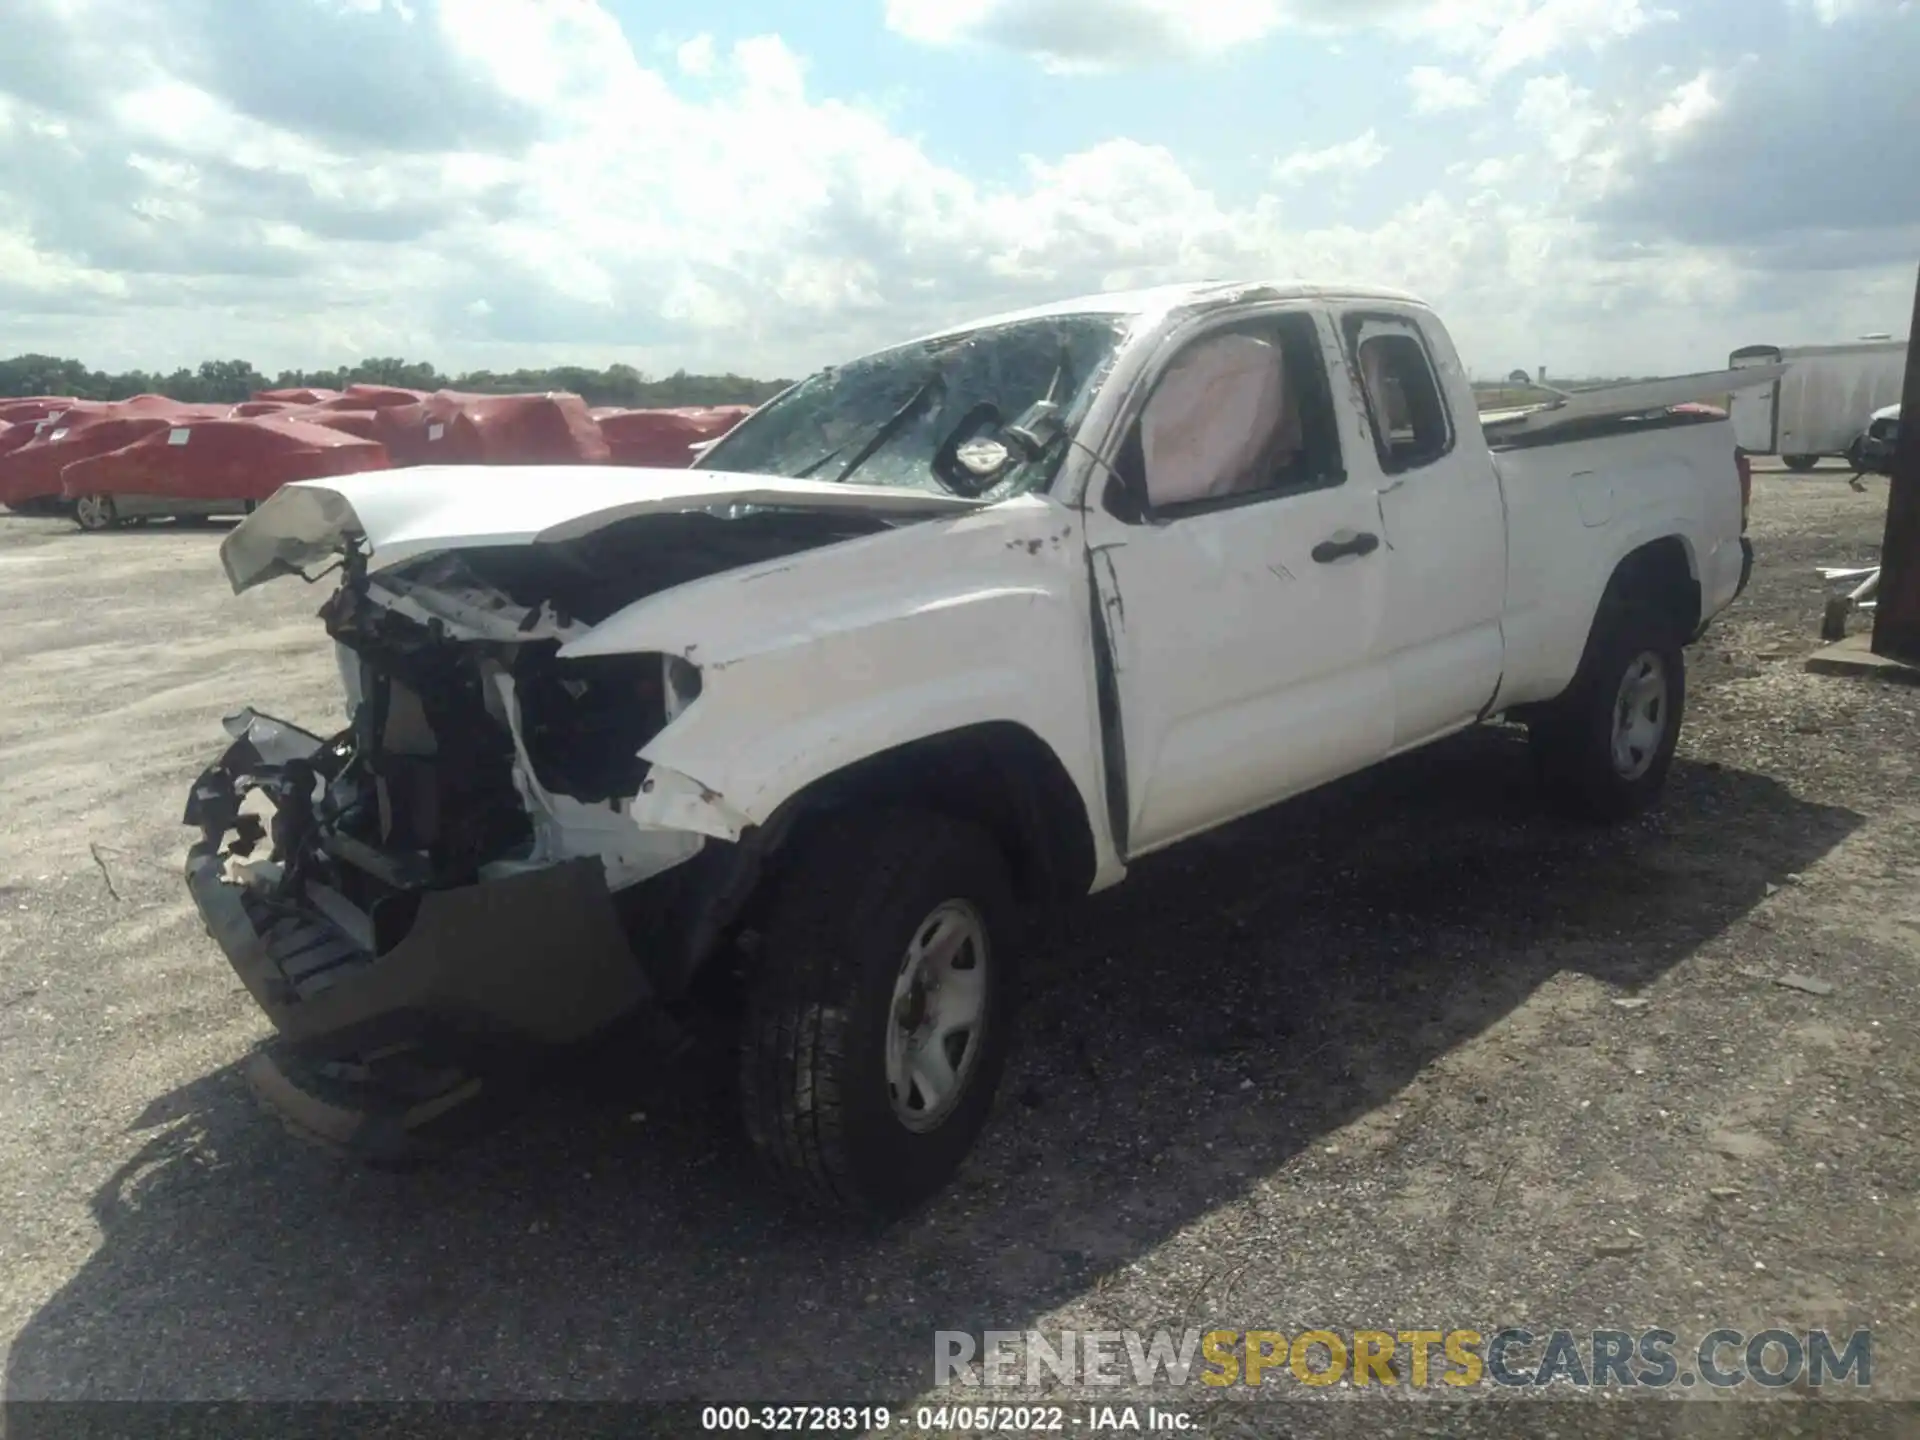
(399, 514)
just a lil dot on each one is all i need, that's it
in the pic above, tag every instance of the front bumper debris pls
(385, 1029)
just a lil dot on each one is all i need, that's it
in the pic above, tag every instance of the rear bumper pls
(380, 1039)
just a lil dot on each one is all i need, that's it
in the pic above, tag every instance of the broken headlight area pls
(460, 870)
(416, 898)
(397, 977)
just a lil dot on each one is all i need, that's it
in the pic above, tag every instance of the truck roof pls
(1163, 299)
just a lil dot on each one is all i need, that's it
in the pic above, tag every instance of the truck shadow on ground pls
(1184, 1036)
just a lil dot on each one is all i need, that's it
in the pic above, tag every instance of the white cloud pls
(1688, 106)
(1436, 91)
(1560, 115)
(697, 56)
(1831, 12)
(541, 194)
(1528, 34)
(1089, 32)
(1349, 158)
(1498, 35)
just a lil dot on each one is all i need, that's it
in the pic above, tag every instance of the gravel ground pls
(1403, 1054)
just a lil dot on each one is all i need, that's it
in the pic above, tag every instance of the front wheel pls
(878, 1025)
(1801, 463)
(95, 512)
(1603, 749)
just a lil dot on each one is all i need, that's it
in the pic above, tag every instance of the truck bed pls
(1604, 476)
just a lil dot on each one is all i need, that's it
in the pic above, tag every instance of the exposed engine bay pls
(461, 859)
(474, 749)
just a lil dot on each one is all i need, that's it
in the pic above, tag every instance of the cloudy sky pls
(1600, 186)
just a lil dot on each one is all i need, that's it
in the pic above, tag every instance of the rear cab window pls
(1405, 407)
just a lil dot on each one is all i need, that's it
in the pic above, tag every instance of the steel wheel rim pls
(1640, 713)
(92, 512)
(936, 1022)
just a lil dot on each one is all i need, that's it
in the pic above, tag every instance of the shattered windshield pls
(882, 420)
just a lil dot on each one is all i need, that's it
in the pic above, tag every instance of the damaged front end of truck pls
(462, 877)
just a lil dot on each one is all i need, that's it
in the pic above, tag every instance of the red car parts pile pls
(56, 450)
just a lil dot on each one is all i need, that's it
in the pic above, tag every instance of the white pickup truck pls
(932, 638)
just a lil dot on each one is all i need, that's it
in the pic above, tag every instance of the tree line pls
(219, 382)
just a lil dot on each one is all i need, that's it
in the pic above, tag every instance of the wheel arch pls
(999, 775)
(1665, 572)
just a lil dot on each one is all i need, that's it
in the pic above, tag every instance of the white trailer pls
(1822, 403)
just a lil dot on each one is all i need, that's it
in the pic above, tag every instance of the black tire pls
(814, 1089)
(1573, 737)
(1801, 463)
(1833, 620)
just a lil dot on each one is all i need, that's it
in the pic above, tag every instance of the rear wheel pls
(95, 512)
(878, 1024)
(1801, 463)
(1603, 749)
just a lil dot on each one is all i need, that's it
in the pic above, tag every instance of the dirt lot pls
(1361, 1062)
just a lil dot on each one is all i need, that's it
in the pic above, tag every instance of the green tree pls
(232, 381)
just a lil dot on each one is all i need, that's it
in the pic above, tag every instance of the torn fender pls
(669, 800)
(821, 660)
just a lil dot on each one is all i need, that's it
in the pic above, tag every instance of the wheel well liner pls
(999, 775)
(1660, 575)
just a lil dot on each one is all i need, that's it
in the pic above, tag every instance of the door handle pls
(1328, 551)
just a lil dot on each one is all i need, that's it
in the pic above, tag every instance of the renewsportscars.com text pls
(1457, 1359)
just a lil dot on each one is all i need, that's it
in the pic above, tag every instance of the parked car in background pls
(1822, 401)
(205, 467)
(1872, 451)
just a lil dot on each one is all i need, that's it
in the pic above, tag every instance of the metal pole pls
(1896, 624)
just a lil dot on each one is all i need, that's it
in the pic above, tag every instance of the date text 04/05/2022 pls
(940, 1419)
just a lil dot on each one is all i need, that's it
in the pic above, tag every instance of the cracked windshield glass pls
(883, 419)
